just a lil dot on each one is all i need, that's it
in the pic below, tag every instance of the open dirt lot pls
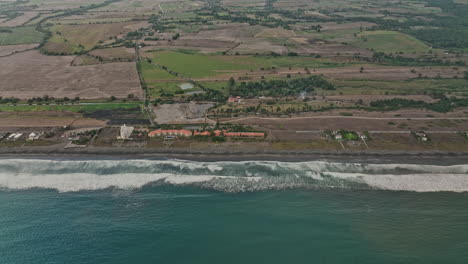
(30, 74)
(181, 113)
(46, 119)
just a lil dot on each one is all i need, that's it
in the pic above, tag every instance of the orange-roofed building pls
(204, 133)
(218, 133)
(172, 132)
(244, 134)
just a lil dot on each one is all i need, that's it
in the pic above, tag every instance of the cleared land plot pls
(389, 41)
(332, 121)
(46, 119)
(54, 76)
(181, 113)
(20, 35)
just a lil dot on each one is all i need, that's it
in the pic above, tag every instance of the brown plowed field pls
(9, 49)
(30, 74)
(20, 20)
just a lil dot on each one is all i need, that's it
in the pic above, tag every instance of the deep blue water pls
(199, 223)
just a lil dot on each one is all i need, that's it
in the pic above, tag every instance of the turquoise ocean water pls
(172, 211)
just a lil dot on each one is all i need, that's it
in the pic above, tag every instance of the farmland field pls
(74, 38)
(200, 65)
(262, 59)
(390, 41)
(54, 76)
(20, 35)
(85, 108)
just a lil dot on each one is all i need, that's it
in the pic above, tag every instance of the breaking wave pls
(80, 175)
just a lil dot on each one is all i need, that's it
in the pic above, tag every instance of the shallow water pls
(231, 212)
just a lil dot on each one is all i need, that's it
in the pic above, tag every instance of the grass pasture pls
(21, 35)
(198, 65)
(389, 41)
(153, 73)
(201, 66)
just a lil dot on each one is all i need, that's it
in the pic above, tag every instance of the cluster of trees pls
(443, 105)
(443, 31)
(39, 100)
(48, 99)
(9, 100)
(208, 95)
(407, 61)
(279, 88)
(134, 35)
(175, 36)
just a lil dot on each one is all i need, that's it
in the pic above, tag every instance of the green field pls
(21, 35)
(72, 108)
(151, 72)
(157, 89)
(200, 65)
(410, 87)
(389, 41)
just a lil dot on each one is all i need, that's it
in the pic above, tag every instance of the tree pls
(231, 82)
(112, 98)
(465, 75)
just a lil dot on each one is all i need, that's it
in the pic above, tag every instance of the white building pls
(125, 132)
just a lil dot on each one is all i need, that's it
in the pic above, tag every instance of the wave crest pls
(79, 175)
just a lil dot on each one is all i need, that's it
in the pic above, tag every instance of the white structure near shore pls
(125, 132)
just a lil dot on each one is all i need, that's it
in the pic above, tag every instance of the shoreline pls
(428, 157)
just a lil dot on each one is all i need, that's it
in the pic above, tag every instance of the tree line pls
(279, 88)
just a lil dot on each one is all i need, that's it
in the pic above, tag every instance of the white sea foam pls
(69, 176)
(410, 182)
(84, 181)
